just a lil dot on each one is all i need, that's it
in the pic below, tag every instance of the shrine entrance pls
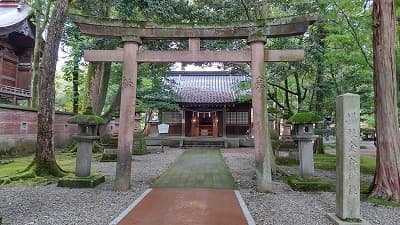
(204, 124)
(133, 34)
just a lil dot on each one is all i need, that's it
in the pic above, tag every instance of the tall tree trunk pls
(386, 183)
(298, 91)
(35, 72)
(42, 18)
(287, 100)
(99, 75)
(97, 85)
(75, 85)
(319, 83)
(93, 85)
(116, 102)
(45, 154)
(105, 79)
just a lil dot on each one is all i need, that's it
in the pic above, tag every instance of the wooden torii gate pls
(132, 33)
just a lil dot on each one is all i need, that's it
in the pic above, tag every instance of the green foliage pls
(369, 119)
(338, 48)
(155, 90)
(273, 110)
(139, 145)
(304, 117)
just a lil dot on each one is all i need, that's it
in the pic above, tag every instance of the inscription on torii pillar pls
(132, 33)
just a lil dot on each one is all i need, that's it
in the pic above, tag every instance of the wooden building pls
(209, 105)
(17, 40)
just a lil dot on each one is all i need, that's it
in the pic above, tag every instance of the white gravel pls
(50, 205)
(285, 206)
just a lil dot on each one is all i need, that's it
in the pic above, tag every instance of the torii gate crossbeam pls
(132, 33)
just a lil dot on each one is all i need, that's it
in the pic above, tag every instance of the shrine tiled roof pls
(206, 87)
(14, 17)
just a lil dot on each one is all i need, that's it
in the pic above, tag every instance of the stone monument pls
(347, 161)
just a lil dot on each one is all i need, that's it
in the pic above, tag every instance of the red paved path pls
(187, 206)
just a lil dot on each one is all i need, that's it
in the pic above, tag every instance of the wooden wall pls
(15, 70)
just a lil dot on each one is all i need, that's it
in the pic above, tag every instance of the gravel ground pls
(50, 205)
(285, 206)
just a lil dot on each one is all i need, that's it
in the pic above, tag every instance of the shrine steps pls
(203, 144)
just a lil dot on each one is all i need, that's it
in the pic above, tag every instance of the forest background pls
(338, 55)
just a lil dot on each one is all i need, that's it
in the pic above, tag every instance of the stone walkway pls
(197, 168)
(196, 190)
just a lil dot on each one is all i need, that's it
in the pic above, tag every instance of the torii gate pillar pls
(262, 141)
(127, 112)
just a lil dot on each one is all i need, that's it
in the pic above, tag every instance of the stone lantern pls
(304, 133)
(153, 128)
(88, 125)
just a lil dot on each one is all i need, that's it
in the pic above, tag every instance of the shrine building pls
(17, 41)
(209, 102)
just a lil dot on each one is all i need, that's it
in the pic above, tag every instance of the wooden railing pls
(15, 91)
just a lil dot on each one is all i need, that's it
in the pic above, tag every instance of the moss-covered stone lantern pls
(88, 124)
(304, 133)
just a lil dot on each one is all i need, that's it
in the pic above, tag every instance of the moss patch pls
(286, 161)
(309, 185)
(325, 162)
(21, 150)
(328, 162)
(16, 173)
(87, 120)
(364, 188)
(378, 201)
(304, 117)
(3, 162)
(81, 182)
(367, 164)
(108, 158)
(198, 168)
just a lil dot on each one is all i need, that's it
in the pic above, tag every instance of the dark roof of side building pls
(206, 86)
(14, 17)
